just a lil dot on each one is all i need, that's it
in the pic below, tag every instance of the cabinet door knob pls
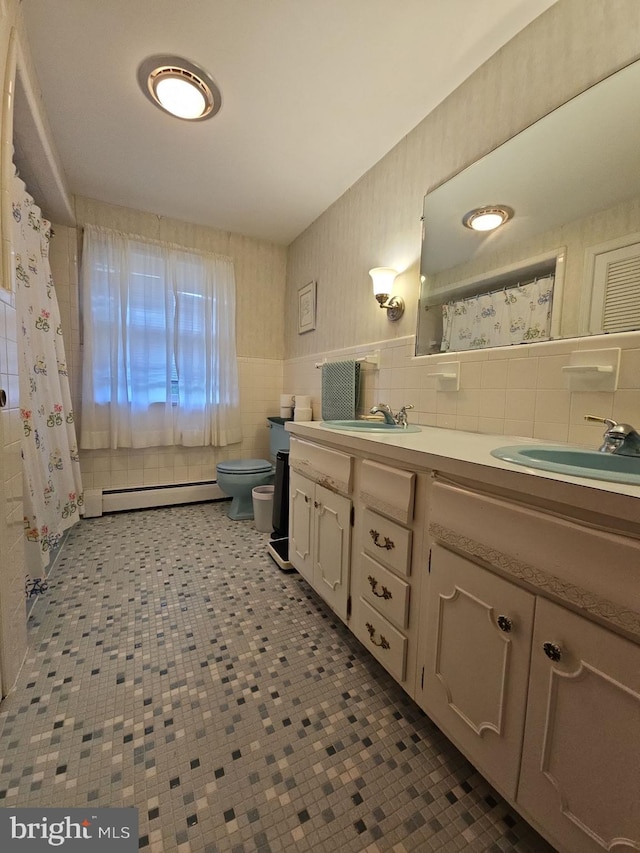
(552, 651)
(504, 623)
(316, 504)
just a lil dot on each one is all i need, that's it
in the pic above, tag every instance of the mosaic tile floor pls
(174, 667)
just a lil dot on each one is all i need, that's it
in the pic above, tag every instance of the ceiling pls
(314, 93)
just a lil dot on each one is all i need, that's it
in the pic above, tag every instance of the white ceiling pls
(314, 93)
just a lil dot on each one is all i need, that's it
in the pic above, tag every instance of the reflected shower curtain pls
(514, 315)
(53, 489)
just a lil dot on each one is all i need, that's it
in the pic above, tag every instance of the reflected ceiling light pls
(487, 218)
(179, 87)
(383, 278)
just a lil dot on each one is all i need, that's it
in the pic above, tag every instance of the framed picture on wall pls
(307, 307)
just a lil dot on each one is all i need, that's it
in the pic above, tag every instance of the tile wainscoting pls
(509, 390)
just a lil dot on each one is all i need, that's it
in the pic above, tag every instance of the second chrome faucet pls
(399, 419)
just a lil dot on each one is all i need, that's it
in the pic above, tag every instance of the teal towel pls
(340, 388)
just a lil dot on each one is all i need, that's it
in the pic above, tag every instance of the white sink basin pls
(369, 426)
(573, 461)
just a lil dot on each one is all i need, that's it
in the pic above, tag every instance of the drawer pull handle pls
(504, 623)
(385, 592)
(383, 644)
(552, 651)
(388, 543)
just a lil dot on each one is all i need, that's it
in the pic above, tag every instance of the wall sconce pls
(383, 278)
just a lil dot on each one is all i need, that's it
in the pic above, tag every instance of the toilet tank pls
(278, 436)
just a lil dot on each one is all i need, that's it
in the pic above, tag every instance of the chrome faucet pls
(389, 418)
(621, 439)
(385, 411)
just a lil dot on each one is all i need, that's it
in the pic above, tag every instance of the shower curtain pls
(51, 468)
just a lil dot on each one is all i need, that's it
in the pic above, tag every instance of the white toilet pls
(238, 477)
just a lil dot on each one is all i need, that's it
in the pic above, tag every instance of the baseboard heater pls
(100, 501)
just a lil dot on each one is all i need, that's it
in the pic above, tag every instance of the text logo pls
(33, 830)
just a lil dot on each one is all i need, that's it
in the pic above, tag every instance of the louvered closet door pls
(615, 305)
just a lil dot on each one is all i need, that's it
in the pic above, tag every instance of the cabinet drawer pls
(330, 468)
(388, 490)
(386, 542)
(385, 591)
(594, 569)
(384, 641)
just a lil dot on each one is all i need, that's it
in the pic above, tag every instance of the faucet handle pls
(595, 419)
(613, 427)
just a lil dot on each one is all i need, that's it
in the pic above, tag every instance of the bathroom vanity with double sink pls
(505, 600)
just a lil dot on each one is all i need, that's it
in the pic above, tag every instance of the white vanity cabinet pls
(385, 574)
(320, 539)
(320, 520)
(544, 701)
(580, 776)
(507, 605)
(476, 648)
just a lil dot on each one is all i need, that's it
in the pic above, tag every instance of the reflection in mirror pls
(567, 261)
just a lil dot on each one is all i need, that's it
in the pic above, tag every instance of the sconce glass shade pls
(383, 278)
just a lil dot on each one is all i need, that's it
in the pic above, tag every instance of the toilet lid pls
(245, 466)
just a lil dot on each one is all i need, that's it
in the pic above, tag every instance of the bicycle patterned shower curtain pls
(51, 468)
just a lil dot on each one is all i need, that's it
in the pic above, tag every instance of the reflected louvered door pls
(616, 290)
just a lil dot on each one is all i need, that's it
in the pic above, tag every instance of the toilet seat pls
(245, 466)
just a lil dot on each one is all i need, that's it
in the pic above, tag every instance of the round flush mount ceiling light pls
(179, 87)
(487, 218)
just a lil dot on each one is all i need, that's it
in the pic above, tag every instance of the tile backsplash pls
(519, 391)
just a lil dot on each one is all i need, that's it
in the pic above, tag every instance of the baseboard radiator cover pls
(97, 502)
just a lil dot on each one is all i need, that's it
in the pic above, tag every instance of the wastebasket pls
(262, 497)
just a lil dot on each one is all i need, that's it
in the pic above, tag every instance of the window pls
(159, 345)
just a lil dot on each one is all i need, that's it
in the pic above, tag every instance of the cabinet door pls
(476, 663)
(581, 761)
(332, 548)
(301, 492)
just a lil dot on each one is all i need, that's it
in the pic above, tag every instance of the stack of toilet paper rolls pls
(302, 410)
(286, 405)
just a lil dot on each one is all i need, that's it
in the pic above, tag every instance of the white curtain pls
(160, 363)
(514, 315)
(51, 468)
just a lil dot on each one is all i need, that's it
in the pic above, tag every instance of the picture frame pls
(307, 307)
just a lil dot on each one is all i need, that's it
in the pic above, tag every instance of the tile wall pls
(519, 391)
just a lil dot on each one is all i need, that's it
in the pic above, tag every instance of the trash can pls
(262, 497)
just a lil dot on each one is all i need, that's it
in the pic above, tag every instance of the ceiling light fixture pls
(487, 218)
(179, 87)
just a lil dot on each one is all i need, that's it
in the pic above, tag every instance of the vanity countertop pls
(468, 454)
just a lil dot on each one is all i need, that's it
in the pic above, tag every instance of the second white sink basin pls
(573, 461)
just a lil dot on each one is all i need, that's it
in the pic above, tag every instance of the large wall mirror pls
(568, 254)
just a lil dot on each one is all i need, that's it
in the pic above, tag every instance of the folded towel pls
(340, 387)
